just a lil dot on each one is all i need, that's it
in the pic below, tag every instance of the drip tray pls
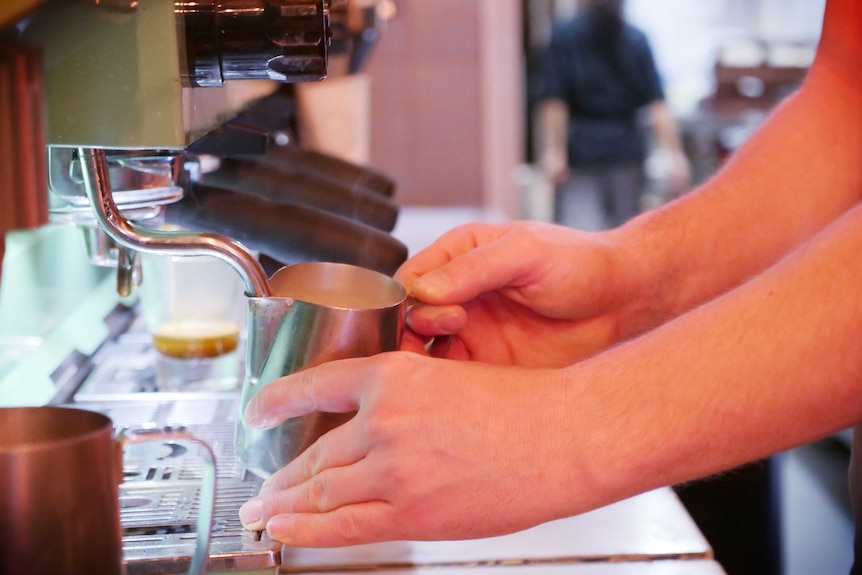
(159, 493)
(125, 368)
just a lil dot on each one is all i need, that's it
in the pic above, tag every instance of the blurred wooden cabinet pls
(447, 102)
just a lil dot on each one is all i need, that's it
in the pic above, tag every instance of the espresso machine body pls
(122, 108)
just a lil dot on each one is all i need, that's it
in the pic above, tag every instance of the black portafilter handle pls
(287, 233)
(296, 159)
(298, 187)
(255, 135)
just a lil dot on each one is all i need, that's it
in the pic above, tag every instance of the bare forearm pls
(665, 127)
(553, 120)
(779, 189)
(769, 365)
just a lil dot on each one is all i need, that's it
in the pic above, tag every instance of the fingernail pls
(253, 418)
(251, 512)
(265, 486)
(432, 284)
(279, 528)
(450, 322)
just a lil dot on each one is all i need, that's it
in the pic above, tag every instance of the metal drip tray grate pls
(125, 368)
(159, 495)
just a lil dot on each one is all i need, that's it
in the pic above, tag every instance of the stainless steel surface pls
(139, 180)
(205, 485)
(141, 183)
(125, 370)
(160, 493)
(101, 249)
(128, 79)
(319, 312)
(159, 497)
(98, 185)
(128, 271)
(78, 514)
(285, 40)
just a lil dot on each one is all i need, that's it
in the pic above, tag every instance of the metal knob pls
(284, 40)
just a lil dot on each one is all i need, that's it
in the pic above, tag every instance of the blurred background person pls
(597, 78)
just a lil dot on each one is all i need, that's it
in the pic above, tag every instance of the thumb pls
(489, 267)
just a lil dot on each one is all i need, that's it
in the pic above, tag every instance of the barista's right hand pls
(524, 293)
(437, 449)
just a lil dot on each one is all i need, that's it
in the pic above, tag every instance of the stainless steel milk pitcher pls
(317, 312)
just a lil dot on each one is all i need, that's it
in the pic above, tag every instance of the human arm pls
(775, 192)
(739, 369)
(552, 90)
(797, 173)
(755, 371)
(553, 119)
(667, 136)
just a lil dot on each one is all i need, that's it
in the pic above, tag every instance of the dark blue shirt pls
(604, 90)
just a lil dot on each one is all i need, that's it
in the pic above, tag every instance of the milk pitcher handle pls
(207, 489)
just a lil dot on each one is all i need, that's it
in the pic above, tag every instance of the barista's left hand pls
(437, 450)
(524, 294)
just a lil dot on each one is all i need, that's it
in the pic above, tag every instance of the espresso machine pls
(129, 120)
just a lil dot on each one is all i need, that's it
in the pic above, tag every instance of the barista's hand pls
(525, 293)
(438, 449)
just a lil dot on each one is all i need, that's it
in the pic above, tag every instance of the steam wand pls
(94, 167)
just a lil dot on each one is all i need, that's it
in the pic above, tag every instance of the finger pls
(509, 261)
(366, 522)
(332, 386)
(323, 493)
(437, 320)
(453, 243)
(338, 447)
